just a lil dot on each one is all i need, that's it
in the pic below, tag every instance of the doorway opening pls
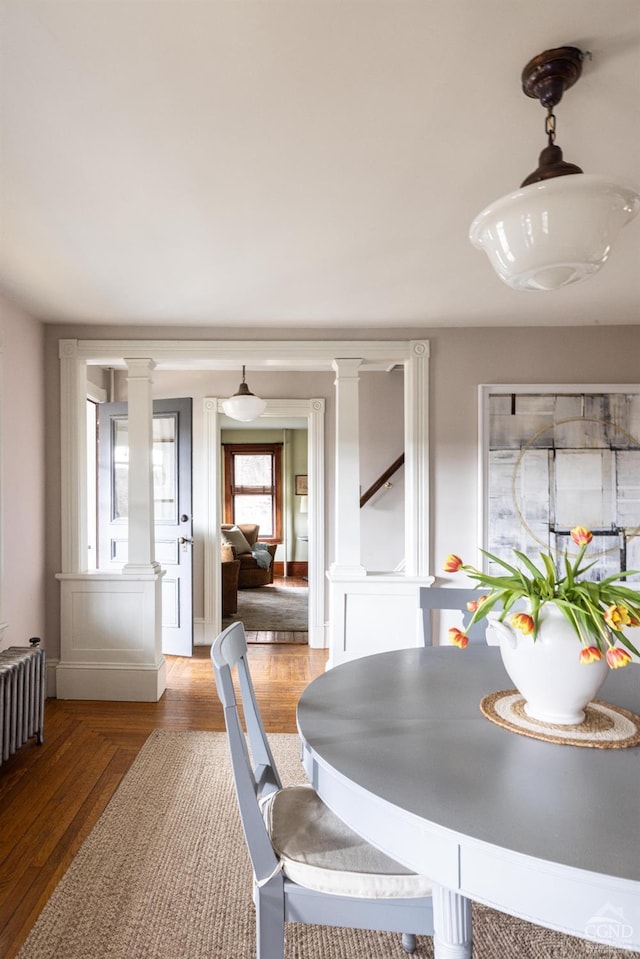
(262, 467)
(303, 527)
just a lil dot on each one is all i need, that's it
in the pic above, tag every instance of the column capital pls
(141, 367)
(346, 367)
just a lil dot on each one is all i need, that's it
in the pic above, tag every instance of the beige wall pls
(463, 359)
(23, 478)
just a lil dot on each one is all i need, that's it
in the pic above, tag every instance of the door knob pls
(184, 540)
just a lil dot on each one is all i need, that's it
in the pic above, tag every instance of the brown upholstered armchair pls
(240, 547)
(229, 584)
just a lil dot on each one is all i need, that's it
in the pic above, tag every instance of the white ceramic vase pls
(548, 673)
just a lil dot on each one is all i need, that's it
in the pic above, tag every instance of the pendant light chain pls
(550, 126)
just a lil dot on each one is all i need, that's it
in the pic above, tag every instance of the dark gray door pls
(172, 486)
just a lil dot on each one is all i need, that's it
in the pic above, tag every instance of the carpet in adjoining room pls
(165, 874)
(275, 608)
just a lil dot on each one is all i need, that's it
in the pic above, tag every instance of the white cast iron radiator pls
(22, 695)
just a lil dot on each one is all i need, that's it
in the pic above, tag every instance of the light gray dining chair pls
(433, 598)
(308, 866)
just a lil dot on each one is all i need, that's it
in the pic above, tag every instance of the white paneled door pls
(172, 489)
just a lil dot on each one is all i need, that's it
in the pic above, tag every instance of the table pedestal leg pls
(451, 924)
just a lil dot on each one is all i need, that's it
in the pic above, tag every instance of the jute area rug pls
(165, 875)
(275, 608)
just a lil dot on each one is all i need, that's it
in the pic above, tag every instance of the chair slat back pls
(254, 770)
(434, 598)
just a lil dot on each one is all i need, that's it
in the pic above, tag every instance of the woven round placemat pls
(604, 727)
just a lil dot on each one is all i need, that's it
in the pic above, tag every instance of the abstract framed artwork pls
(554, 457)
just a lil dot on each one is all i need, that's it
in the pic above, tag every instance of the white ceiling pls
(296, 163)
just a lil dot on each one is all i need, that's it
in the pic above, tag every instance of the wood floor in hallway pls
(52, 795)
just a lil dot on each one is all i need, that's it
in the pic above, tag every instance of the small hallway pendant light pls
(558, 228)
(243, 405)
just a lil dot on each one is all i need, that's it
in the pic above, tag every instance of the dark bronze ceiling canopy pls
(545, 78)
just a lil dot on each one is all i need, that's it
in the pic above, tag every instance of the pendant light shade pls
(555, 232)
(560, 226)
(243, 405)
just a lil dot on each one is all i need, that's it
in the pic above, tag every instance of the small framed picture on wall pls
(302, 486)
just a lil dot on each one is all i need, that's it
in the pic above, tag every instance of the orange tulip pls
(617, 657)
(616, 616)
(474, 604)
(581, 536)
(452, 563)
(590, 654)
(458, 638)
(523, 622)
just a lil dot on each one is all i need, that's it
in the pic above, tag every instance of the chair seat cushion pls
(319, 851)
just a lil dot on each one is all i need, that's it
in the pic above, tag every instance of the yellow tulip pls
(617, 657)
(617, 616)
(458, 638)
(581, 536)
(474, 604)
(523, 622)
(590, 654)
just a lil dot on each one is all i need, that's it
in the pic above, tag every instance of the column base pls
(111, 637)
(142, 569)
(373, 614)
(337, 571)
(104, 681)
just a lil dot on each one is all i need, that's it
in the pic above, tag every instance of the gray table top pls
(406, 727)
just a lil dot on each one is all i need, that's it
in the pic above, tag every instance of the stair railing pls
(384, 478)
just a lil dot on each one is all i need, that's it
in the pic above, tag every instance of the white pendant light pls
(243, 405)
(559, 227)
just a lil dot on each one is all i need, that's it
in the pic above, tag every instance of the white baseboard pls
(199, 633)
(51, 666)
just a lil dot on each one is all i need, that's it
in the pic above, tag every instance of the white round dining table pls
(397, 746)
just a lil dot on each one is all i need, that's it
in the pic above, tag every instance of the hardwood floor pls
(52, 795)
(266, 636)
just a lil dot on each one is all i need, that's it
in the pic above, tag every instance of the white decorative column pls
(111, 622)
(141, 548)
(347, 489)
(346, 571)
(416, 459)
